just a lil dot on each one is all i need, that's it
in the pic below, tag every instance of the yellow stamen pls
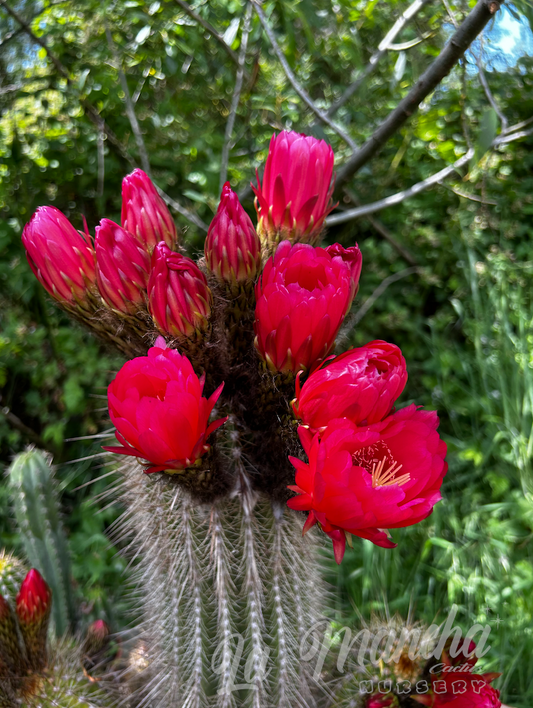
(384, 478)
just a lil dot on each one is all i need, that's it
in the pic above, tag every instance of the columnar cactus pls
(227, 565)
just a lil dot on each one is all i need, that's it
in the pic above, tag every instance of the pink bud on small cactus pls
(178, 295)
(144, 213)
(295, 197)
(122, 267)
(61, 258)
(34, 600)
(232, 247)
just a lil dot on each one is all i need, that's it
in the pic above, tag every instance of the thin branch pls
(384, 45)
(10, 88)
(236, 96)
(189, 215)
(399, 196)
(384, 232)
(488, 93)
(209, 28)
(450, 13)
(510, 137)
(11, 35)
(130, 110)
(402, 46)
(323, 117)
(482, 13)
(518, 126)
(353, 320)
(466, 195)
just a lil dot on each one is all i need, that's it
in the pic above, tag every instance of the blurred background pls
(89, 90)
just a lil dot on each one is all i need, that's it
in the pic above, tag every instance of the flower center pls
(378, 461)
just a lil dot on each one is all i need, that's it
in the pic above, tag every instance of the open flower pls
(295, 197)
(461, 690)
(364, 480)
(232, 246)
(362, 385)
(179, 298)
(302, 298)
(157, 407)
(61, 258)
(144, 213)
(122, 267)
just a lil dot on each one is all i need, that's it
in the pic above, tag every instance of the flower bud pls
(295, 197)
(362, 385)
(179, 298)
(232, 247)
(61, 258)
(353, 259)
(122, 267)
(302, 298)
(157, 407)
(33, 606)
(144, 213)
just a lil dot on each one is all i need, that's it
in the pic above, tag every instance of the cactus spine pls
(37, 511)
(229, 591)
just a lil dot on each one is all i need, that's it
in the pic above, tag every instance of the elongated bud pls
(178, 295)
(122, 267)
(61, 258)
(33, 605)
(295, 197)
(10, 654)
(232, 247)
(144, 213)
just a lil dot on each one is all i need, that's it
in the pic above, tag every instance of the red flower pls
(179, 298)
(465, 690)
(232, 247)
(157, 407)
(365, 480)
(380, 700)
(34, 599)
(353, 259)
(302, 298)
(144, 213)
(61, 258)
(122, 267)
(295, 197)
(362, 385)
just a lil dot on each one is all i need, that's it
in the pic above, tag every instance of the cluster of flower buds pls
(28, 622)
(370, 469)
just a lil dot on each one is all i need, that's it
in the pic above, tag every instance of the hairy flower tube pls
(34, 600)
(232, 246)
(362, 385)
(157, 408)
(364, 480)
(302, 298)
(144, 213)
(295, 196)
(122, 267)
(61, 258)
(178, 296)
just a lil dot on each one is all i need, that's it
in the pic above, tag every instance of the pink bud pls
(144, 213)
(232, 247)
(302, 298)
(179, 298)
(34, 600)
(122, 267)
(353, 259)
(61, 258)
(295, 197)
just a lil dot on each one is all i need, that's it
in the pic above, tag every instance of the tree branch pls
(399, 196)
(209, 28)
(458, 44)
(323, 117)
(236, 96)
(384, 45)
(130, 111)
(489, 94)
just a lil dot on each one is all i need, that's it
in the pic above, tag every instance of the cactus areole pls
(237, 428)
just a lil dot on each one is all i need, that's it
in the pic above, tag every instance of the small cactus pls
(32, 484)
(12, 573)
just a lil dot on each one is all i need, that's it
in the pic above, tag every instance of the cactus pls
(229, 590)
(32, 483)
(12, 573)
